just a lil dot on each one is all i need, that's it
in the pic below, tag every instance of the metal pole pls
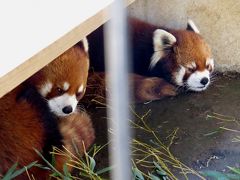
(118, 97)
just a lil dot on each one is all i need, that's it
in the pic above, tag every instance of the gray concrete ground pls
(208, 122)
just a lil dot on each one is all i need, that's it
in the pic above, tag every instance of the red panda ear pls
(191, 26)
(83, 44)
(162, 40)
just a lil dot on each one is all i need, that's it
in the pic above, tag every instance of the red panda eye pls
(60, 91)
(209, 68)
(191, 70)
(79, 94)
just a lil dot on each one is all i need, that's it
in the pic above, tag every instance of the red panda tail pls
(77, 132)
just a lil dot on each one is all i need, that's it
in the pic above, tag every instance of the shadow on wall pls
(218, 21)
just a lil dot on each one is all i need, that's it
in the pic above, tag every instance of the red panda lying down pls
(42, 112)
(179, 57)
(182, 57)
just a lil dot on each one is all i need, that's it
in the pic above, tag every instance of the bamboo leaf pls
(161, 173)
(137, 174)
(104, 170)
(92, 163)
(65, 170)
(153, 177)
(159, 170)
(10, 172)
(20, 171)
(49, 164)
(236, 170)
(215, 174)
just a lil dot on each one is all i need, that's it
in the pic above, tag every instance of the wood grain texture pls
(30, 66)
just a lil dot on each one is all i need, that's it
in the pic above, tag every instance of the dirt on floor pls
(208, 123)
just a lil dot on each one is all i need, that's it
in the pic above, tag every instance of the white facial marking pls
(158, 45)
(210, 61)
(192, 65)
(194, 80)
(45, 89)
(66, 86)
(57, 104)
(178, 76)
(81, 88)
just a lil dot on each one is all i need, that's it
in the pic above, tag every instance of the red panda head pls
(185, 55)
(63, 82)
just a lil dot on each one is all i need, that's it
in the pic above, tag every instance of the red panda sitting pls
(34, 115)
(181, 57)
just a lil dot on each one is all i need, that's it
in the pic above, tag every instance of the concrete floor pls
(201, 142)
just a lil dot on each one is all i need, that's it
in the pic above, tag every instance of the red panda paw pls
(152, 88)
(77, 131)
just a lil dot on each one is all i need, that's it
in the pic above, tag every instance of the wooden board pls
(33, 33)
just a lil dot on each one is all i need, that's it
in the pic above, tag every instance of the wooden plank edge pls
(15, 77)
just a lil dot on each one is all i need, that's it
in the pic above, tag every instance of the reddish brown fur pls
(21, 128)
(74, 125)
(75, 128)
(191, 47)
(72, 67)
(150, 88)
(21, 131)
(143, 88)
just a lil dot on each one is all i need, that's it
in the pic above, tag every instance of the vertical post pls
(118, 97)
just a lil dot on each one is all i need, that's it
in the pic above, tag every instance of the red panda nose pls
(67, 109)
(204, 81)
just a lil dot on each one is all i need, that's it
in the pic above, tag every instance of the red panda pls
(181, 57)
(63, 82)
(32, 115)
